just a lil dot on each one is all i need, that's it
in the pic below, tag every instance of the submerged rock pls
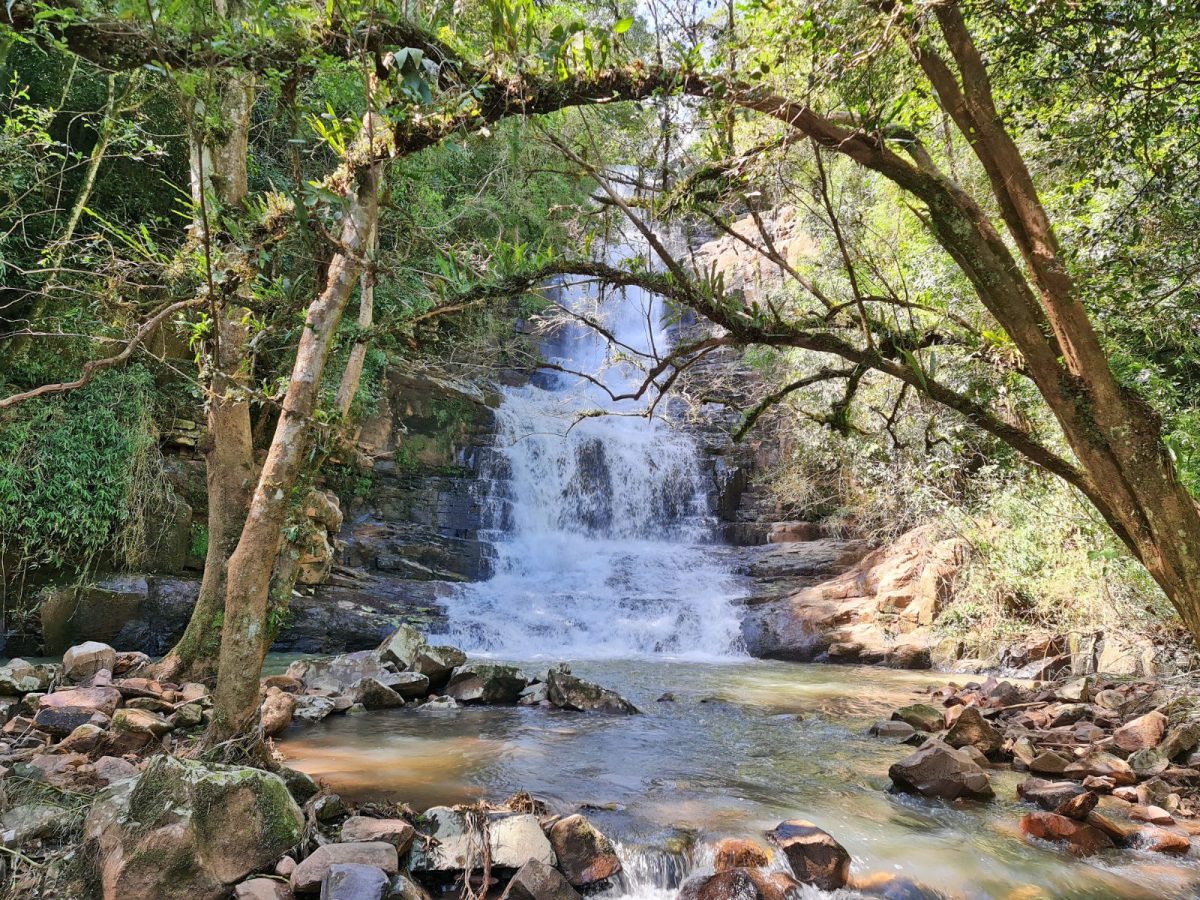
(1081, 838)
(187, 829)
(740, 884)
(735, 853)
(938, 770)
(816, 858)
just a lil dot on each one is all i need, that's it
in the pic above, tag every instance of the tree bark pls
(245, 635)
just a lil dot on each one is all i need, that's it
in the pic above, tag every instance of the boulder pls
(276, 712)
(62, 712)
(537, 881)
(1180, 740)
(938, 770)
(816, 858)
(566, 691)
(140, 722)
(486, 683)
(189, 829)
(512, 841)
(86, 659)
(1148, 763)
(921, 716)
(397, 832)
(29, 821)
(374, 695)
(735, 853)
(972, 729)
(585, 855)
(83, 739)
(311, 709)
(1081, 838)
(1099, 762)
(409, 685)
(1048, 762)
(411, 651)
(1049, 795)
(1079, 806)
(1155, 815)
(308, 876)
(354, 881)
(1141, 733)
(336, 673)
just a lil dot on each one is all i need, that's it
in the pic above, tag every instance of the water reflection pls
(744, 746)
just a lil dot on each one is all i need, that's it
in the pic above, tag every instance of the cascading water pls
(597, 513)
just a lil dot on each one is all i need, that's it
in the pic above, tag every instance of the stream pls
(604, 557)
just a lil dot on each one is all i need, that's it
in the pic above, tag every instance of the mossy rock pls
(189, 829)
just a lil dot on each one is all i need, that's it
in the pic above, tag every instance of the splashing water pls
(598, 515)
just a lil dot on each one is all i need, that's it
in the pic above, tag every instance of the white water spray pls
(599, 522)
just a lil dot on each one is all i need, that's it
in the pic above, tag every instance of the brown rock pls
(971, 728)
(537, 881)
(1160, 840)
(397, 832)
(739, 884)
(920, 716)
(816, 858)
(735, 853)
(276, 711)
(1141, 733)
(1098, 762)
(1180, 740)
(1081, 838)
(1078, 806)
(1049, 763)
(309, 874)
(86, 659)
(1155, 815)
(94, 699)
(262, 889)
(1101, 784)
(1128, 794)
(938, 770)
(584, 855)
(1049, 795)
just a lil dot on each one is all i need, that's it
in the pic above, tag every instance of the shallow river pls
(743, 746)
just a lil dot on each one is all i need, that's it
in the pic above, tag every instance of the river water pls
(605, 558)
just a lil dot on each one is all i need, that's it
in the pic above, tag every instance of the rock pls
(1180, 740)
(373, 695)
(734, 853)
(410, 650)
(893, 730)
(537, 881)
(310, 709)
(938, 770)
(1048, 762)
(312, 870)
(1160, 840)
(512, 841)
(486, 683)
(1098, 762)
(584, 855)
(62, 712)
(740, 884)
(569, 692)
(327, 807)
(409, 685)
(59, 770)
(83, 739)
(187, 829)
(1155, 815)
(1049, 795)
(1101, 784)
(402, 888)
(1148, 763)
(86, 659)
(1081, 838)
(30, 821)
(1141, 733)
(354, 881)
(189, 715)
(276, 712)
(536, 695)
(336, 673)
(436, 703)
(1118, 831)
(111, 769)
(285, 867)
(140, 722)
(262, 889)
(816, 858)
(921, 716)
(971, 728)
(397, 832)
(1078, 807)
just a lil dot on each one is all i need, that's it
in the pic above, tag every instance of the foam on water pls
(599, 522)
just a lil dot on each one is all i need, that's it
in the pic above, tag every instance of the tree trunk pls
(218, 171)
(245, 635)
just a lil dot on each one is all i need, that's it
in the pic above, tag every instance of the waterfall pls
(599, 522)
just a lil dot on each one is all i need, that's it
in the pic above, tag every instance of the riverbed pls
(743, 745)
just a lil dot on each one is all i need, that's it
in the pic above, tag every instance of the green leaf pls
(623, 25)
